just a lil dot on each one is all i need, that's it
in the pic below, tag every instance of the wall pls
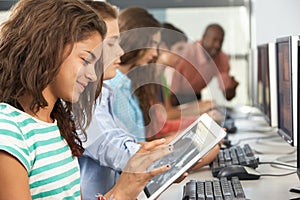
(3, 15)
(273, 19)
(235, 21)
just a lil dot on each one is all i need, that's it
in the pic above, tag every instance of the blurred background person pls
(203, 60)
(172, 45)
(129, 104)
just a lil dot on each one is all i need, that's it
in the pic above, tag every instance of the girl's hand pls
(135, 176)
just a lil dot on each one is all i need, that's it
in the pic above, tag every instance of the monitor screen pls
(262, 60)
(267, 89)
(287, 84)
(266, 86)
(252, 77)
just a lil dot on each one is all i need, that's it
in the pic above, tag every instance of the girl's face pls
(77, 70)
(111, 49)
(150, 53)
(172, 56)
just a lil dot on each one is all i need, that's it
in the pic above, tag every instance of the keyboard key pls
(227, 155)
(190, 191)
(248, 150)
(216, 189)
(209, 190)
(236, 155)
(226, 188)
(237, 186)
(200, 190)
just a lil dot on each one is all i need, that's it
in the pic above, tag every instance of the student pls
(135, 92)
(173, 42)
(99, 172)
(202, 61)
(49, 58)
(136, 37)
(172, 45)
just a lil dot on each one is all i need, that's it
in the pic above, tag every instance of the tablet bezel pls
(214, 129)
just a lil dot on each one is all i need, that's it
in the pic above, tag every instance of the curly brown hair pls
(32, 42)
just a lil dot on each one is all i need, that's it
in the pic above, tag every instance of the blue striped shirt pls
(126, 106)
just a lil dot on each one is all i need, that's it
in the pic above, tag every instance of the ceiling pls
(177, 3)
(6, 4)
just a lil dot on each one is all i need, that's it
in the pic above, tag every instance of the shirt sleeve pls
(12, 142)
(107, 142)
(193, 70)
(126, 107)
(222, 62)
(224, 77)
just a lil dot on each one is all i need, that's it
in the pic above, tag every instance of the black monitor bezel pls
(288, 138)
(294, 44)
(264, 108)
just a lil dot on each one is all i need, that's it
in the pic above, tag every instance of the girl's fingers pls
(147, 146)
(159, 170)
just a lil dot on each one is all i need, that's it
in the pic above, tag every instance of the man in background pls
(202, 61)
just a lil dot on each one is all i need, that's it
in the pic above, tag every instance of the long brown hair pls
(140, 26)
(32, 42)
(104, 9)
(139, 19)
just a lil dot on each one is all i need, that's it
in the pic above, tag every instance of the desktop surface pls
(266, 187)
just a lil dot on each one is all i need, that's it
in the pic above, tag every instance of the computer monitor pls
(261, 62)
(287, 54)
(272, 90)
(266, 78)
(287, 58)
(252, 78)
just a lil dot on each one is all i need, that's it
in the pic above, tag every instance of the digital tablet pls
(188, 147)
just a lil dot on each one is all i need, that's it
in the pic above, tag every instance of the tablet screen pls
(185, 149)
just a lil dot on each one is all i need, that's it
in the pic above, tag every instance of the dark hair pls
(138, 26)
(32, 42)
(104, 9)
(214, 26)
(139, 19)
(171, 34)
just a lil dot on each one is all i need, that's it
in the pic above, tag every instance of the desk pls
(266, 187)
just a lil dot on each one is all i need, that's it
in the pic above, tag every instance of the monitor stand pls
(245, 111)
(295, 190)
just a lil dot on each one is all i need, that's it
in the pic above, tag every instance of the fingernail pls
(170, 147)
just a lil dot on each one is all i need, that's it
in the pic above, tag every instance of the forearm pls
(117, 152)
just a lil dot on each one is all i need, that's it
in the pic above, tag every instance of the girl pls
(49, 58)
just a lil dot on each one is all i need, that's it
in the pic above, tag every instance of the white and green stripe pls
(52, 170)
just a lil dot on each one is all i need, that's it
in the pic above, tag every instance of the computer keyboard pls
(235, 155)
(215, 189)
